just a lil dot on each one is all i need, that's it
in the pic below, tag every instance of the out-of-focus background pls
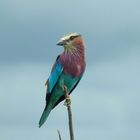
(106, 104)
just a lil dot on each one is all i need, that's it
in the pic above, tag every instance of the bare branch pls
(68, 104)
(59, 134)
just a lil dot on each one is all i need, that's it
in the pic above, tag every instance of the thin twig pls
(68, 104)
(59, 134)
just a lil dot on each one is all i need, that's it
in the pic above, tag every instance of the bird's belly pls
(69, 81)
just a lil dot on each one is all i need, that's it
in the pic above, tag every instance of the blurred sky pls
(106, 102)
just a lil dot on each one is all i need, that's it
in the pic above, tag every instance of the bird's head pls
(71, 41)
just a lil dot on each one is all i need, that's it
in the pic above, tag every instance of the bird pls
(67, 70)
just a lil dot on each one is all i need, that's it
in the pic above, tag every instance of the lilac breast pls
(73, 64)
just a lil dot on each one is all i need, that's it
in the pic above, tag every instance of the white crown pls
(67, 36)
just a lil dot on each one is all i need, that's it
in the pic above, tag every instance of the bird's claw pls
(67, 102)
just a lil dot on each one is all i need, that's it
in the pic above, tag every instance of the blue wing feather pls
(55, 74)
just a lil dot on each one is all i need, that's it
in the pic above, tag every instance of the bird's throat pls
(69, 48)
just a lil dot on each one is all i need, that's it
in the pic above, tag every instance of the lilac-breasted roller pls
(68, 70)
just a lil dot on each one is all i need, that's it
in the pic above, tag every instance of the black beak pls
(61, 43)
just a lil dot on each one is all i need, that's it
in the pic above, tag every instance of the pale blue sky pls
(106, 102)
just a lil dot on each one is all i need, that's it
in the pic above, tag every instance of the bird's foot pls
(67, 101)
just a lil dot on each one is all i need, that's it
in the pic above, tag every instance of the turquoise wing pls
(51, 83)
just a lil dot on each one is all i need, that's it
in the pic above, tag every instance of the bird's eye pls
(72, 37)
